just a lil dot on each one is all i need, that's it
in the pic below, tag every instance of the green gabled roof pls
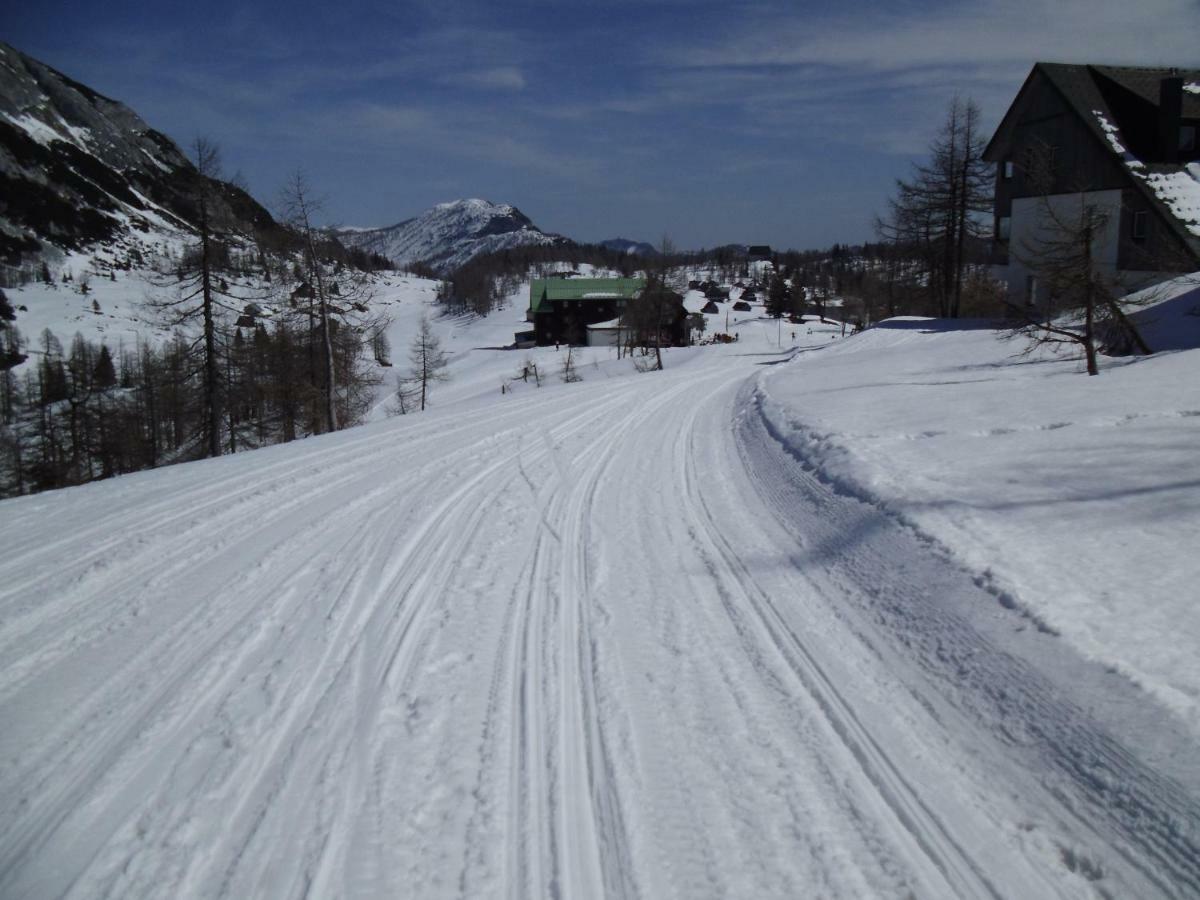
(547, 290)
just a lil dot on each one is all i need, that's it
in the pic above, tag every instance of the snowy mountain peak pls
(450, 234)
(473, 203)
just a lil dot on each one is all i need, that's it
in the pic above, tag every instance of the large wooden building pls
(603, 311)
(562, 308)
(1120, 139)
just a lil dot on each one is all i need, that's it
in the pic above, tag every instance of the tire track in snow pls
(1102, 793)
(934, 839)
(424, 577)
(387, 651)
(99, 758)
(190, 519)
(566, 823)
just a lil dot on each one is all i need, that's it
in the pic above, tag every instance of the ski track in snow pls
(613, 641)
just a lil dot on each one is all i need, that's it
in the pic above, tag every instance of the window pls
(1139, 224)
(1031, 290)
(1187, 138)
(1003, 227)
(1008, 170)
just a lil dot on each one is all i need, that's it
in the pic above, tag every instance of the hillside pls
(78, 169)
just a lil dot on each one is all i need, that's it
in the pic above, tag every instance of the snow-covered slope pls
(79, 169)
(1073, 500)
(451, 234)
(629, 637)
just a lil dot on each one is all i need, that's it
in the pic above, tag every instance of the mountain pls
(451, 234)
(78, 168)
(632, 248)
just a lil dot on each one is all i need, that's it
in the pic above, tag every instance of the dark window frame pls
(1139, 225)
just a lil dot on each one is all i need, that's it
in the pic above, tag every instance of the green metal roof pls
(547, 290)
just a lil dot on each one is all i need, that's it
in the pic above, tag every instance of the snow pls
(1181, 192)
(1071, 498)
(36, 129)
(1114, 139)
(763, 624)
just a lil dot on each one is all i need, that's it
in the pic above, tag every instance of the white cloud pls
(498, 78)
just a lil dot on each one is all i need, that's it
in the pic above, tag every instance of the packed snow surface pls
(893, 615)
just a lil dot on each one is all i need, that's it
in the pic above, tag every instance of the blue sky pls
(771, 122)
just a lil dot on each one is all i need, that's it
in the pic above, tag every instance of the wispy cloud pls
(884, 75)
(499, 78)
(973, 34)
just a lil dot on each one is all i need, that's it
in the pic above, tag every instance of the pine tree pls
(777, 297)
(105, 373)
(428, 362)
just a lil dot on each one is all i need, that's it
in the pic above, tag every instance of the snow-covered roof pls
(1178, 190)
(610, 325)
(1107, 100)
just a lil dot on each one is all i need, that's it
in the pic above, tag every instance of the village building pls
(561, 309)
(1122, 140)
(602, 312)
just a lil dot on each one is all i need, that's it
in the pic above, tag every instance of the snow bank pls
(1075, 499)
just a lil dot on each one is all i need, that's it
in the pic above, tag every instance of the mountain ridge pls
(448, 235)
(78, 168)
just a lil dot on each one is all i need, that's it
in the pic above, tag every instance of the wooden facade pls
(562, 308)
(1102, 133)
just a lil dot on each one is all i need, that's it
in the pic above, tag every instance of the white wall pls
(1032, 224)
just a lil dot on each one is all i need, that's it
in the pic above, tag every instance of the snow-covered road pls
(606, 639)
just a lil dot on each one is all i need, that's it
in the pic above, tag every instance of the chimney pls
(1170, 111)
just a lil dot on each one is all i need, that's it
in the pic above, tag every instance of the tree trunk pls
(211, 407)
(1089, 326)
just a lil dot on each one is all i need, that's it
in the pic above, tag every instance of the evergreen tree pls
(105, 373)
(777, 297)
